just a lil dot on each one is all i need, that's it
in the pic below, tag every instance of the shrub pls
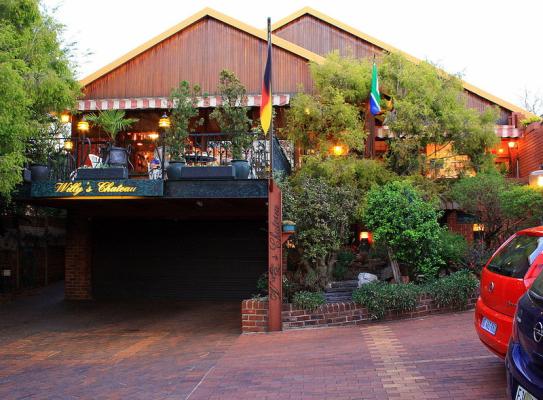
(380, 297)
(341, 269)
(453, 290)
(262, 287)
(453, 248)
(407, 224)
(308, 300)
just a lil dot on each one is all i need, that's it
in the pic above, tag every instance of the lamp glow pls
(164, 121)
(339, 150)
(154, 136)
(478, 227)
(512, 144)
(68, 145)
(364, 235)
(64, 118)
(83, 125)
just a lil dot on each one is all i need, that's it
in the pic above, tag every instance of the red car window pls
(515, 259)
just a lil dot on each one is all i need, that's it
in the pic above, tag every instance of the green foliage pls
(430, 108)
(450, 291)
(350, 75)
(453, 248)
(184, 100)
(380, 297)
(344, 260)
(289, 287)
(408, 225)
(359, 175)
(308, 300)
(530, 120)
(322, 213)
(232, 115)
(501, 206)
(453, 290)
(37, 78)
(112, 122)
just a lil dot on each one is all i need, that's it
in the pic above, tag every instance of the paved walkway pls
(52, 349)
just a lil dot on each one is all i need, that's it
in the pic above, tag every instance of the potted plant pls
(184, 99)
(112, 122)
(231, 115)
(40, 147)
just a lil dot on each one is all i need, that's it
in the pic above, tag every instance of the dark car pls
(524, 360)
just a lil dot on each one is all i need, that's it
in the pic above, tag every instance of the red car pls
(505, 278)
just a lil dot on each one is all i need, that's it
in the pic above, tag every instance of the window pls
(515, 259)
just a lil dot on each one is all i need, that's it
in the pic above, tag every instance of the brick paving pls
(53, 349)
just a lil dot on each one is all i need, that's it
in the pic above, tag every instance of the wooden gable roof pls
(322, 34)
(196, 50)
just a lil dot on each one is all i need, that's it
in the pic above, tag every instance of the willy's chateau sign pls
(123, 188)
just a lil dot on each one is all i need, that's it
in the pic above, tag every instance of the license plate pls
(523, 394)
(489, 326)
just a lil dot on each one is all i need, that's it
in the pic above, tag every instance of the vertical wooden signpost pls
(275, 257)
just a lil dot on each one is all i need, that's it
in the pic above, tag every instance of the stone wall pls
(254, 314)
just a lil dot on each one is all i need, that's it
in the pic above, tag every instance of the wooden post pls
(275, 258)
(395, 267)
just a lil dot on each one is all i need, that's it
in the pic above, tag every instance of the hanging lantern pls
(164, 121)
(64, 118)
(338, 150)
(83, 125)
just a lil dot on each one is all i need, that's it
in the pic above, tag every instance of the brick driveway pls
(180, 350)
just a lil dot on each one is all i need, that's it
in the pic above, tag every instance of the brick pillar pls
(78, 284)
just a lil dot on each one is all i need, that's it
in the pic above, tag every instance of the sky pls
(494, 44)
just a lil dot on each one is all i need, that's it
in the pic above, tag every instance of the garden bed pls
(254, 316)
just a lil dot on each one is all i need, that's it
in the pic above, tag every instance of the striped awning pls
(502, 131)
(145, 103)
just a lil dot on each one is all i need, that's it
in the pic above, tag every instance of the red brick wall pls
(465, 230)
(254, 314)
(77, 284)
(530, 149)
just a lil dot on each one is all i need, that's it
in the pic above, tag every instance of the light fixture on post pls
(163, 124)
(535, 179)
(83, 125)
(478, 227)
(512, 144)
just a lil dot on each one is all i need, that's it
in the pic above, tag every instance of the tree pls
(37, 80)
(430, 108)
(407, 225)
(232, 114)
(184, 99)
(501, 206)
(322, 213)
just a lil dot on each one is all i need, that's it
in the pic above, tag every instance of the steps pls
(340, 291)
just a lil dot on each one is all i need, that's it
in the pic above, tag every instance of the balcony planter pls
(95, 174)
(208, 173)
(117, 156)
(39, 173)
(241, 169)
(289, 227)
(175, 169)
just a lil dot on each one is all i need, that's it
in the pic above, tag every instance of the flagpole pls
(271, 100)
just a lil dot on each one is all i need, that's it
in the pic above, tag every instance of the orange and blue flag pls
(266, 99)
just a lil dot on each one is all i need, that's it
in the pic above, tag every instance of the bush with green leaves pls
(503, 207)
(380, 297)
(407, 225)
(341, 269)
(453, 290)
(453, 248)
(308, 300)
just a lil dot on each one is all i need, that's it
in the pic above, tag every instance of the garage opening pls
(205, 259)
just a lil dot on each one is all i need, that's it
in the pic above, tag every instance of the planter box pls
(94, 174)
(208, 173)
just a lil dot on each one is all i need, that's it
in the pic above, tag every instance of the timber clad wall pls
(530, 149)
(322, 38)
(197, 54)
(77, 284)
